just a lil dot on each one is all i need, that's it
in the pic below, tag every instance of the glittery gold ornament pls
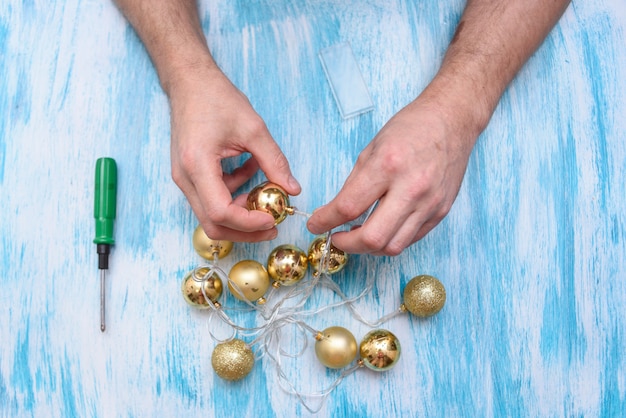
(380, 350)
(424, 296)
(192, 288)
(232, 360)
(336, 258)
(270, 198)
(335, 347)
(207, 247)
(251, 278)
(287, 264)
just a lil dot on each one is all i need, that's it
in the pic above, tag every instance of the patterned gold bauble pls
(380, 350)
(270, 198)
(424, 296)
(192, 289)
(336, 259)
(232, 360)
(335, 347)
(207, 247)
(287, 264)
(251, 278)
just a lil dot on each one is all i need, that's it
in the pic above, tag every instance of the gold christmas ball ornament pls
(380, 350)
(336, 258)
(232, 360)
(424, 296)
(207, 247)
(335, 347)
(251, 278)
(270, 198)
(287, 264)
(192, 288)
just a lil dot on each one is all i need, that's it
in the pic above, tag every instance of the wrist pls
(185, 67)
(464, 99)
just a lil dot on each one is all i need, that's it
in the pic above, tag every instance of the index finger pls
(357, 195)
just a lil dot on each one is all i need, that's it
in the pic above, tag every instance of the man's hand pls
(212, 120)
(414, 168)
(415, 165)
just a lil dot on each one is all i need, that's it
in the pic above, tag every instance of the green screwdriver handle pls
(104, 202)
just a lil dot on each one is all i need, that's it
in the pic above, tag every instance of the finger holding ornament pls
(357, 195)
(387, 231)
(222, 217)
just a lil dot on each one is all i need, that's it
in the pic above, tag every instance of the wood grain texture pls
(532, 253)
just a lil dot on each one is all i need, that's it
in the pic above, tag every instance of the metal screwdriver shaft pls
(102, 300)
(104, 213)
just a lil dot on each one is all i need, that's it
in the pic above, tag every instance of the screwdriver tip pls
(102, 328)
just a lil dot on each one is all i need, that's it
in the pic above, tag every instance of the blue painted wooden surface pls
(532, 253)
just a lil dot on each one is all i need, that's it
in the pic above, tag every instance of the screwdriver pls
(104, 213)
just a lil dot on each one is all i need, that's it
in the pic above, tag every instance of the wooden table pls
(532, 254)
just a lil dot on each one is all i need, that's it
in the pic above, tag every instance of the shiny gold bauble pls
(380, 350)
(335, 347)
(232, 360)
(287, 264)
(424, 296)
(192, 289)
(251, 278)
(270, 198)
(207, 247)
(335, 261)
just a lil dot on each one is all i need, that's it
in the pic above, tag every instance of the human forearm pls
(172, 34)
(492, 42)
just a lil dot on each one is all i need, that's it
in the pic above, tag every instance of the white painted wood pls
(532, 253)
